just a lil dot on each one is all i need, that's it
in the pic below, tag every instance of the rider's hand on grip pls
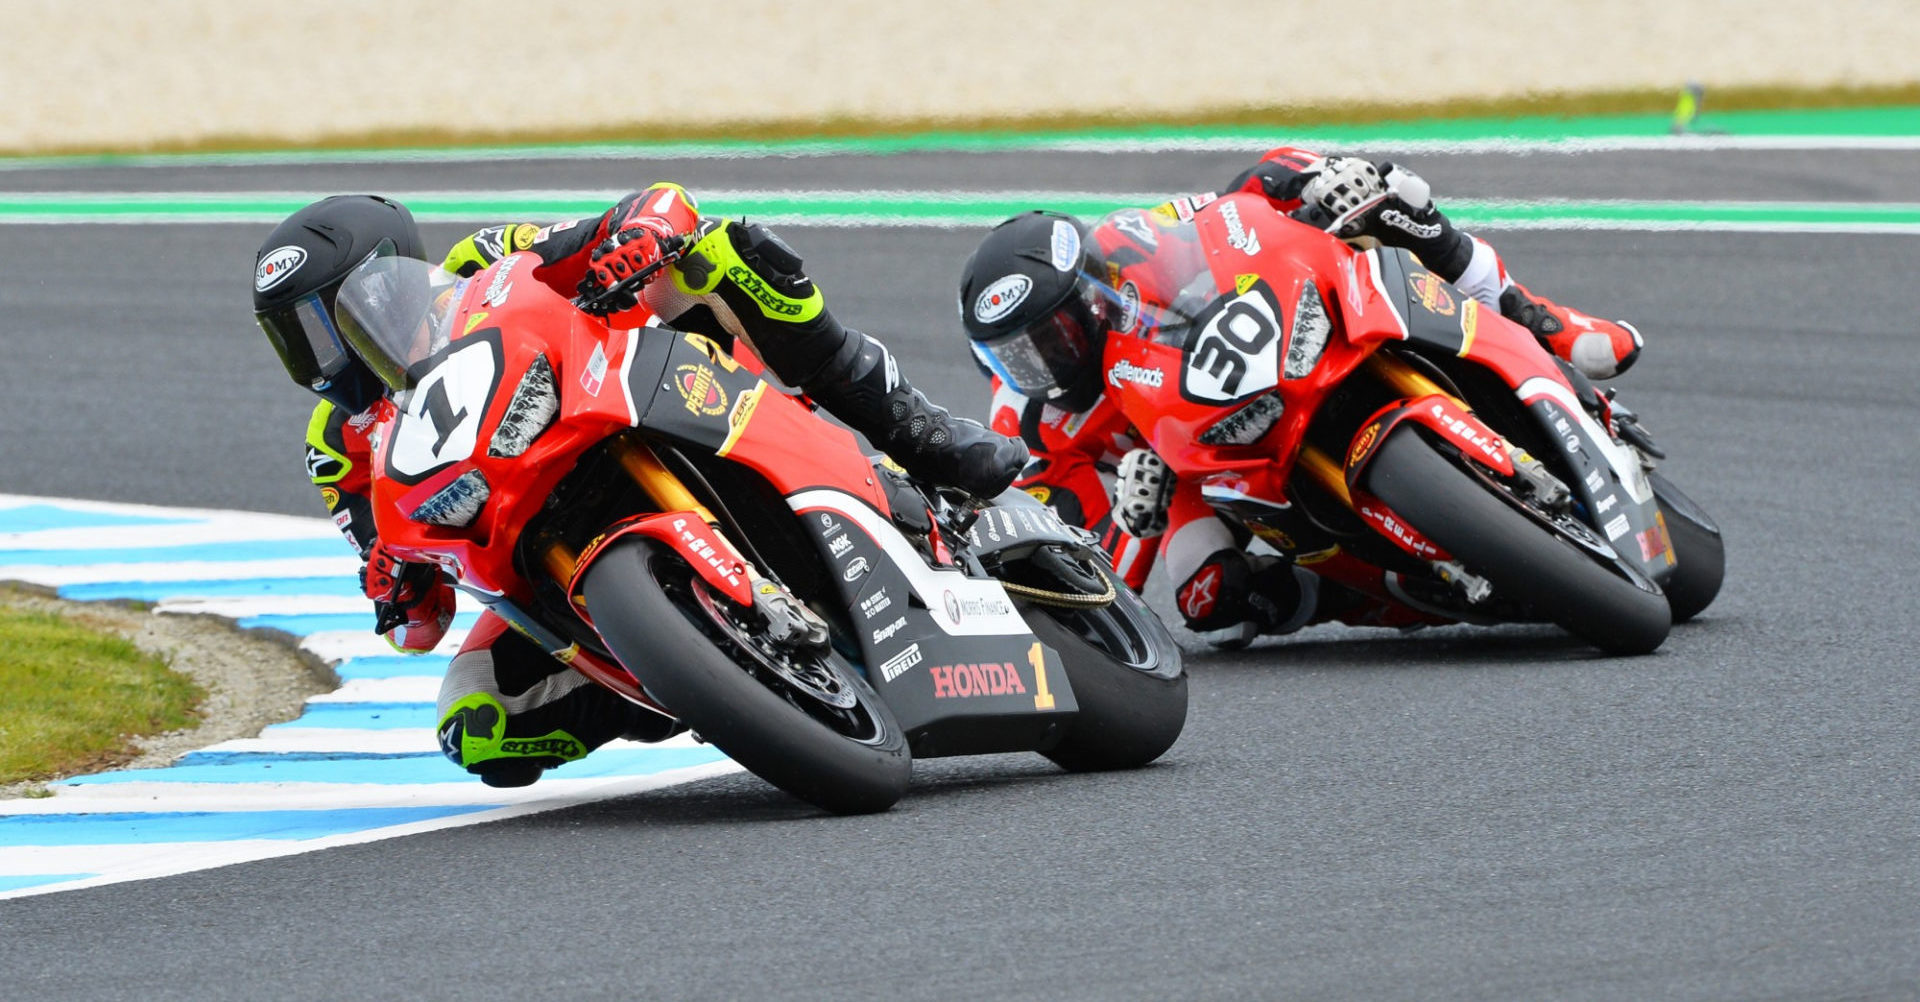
(636, 246)
(1346, 189)
(411, 605)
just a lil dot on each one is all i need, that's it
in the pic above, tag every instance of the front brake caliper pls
(789, 622)
(1538, 483)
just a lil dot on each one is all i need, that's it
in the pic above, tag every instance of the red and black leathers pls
(1216, 586)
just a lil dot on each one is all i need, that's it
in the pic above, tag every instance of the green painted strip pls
(924, 208)
(1887, 123)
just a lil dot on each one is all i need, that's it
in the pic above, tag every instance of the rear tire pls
(648, 606)
(1517, 554)
(1701, 556)
(1127, 678)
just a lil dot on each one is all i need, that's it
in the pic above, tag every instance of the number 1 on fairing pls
(1042, 699)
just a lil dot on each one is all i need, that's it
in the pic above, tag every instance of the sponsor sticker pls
(960, 608)
(701, 390)
(1000, 298)
(1124, 371)
(1066, 246)
(501, 286)
(897, 665)
(276, 264)
(595, 373)
(1432, 292)
(1238, 235)
(855, 568)
(839, 545)
(1129, 307)
(967, 681)
(886, 632)
(875, 604)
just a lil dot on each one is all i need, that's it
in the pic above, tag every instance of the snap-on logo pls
(276, 265)
(999, 299)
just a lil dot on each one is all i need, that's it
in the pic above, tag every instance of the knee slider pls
(1215, 595)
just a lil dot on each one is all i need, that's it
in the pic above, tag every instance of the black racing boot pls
(869, 394)
(767, 297)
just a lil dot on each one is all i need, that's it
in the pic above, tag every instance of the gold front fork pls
(1330, 473)
(661, 486)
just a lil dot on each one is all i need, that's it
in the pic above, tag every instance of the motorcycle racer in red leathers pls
(507, 709)
(1043, 291)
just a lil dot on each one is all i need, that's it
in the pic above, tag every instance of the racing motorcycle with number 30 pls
(646, 507)
(1381, 428)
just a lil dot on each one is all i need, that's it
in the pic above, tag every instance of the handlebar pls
(600, 302)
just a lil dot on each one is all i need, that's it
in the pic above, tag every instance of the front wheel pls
(1521, 557)
(805, 721)
(1700, 556)
(1124, 667)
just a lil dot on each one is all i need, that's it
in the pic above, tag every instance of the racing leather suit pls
(1220, 590)
(507, 710)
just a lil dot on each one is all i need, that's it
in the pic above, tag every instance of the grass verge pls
(73, 696)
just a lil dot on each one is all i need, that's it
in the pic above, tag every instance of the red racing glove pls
(412, 606)
(638, 244)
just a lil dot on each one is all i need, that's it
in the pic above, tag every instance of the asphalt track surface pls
(1451, 814)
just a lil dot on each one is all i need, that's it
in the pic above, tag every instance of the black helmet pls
(298, 273)
(1031, 299)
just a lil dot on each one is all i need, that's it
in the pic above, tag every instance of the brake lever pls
(598, 304)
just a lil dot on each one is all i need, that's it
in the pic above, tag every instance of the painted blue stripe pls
(14, 883)
(303, 624)
(363, 716)
(35, 517)
(210, 826)
(330, 586)
(269, 549)
(395, 666)
(399, 770)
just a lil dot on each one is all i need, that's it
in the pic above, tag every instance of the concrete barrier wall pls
(137, 73)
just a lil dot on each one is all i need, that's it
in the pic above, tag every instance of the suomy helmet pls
(297, 275)
(1030, 300)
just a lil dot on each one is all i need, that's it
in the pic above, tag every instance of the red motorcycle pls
(1366, 418)
(644, 505)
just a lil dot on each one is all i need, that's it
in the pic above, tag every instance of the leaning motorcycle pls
(646, 507)
(1381, 428)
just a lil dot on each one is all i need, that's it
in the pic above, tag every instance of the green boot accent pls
(473, 735)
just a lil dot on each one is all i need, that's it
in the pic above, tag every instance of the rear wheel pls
(1522, 557)
(1701, 558)
(804, 721)
(1124, 667)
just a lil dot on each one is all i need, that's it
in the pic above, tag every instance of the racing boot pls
(1602, 349)
(755, 285)
(509, 711)
(867, 391)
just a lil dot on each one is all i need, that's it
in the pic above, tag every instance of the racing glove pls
(1345, 191)
(412, 607)
(637, 245)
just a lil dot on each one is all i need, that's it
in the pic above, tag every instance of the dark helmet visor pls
(304, 335)
(1046, 357)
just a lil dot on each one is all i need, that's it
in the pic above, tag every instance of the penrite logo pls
(895, 666)
(698, 387)
(970, 680)
(1432, 292)
(1237, 234)
(1125, 371)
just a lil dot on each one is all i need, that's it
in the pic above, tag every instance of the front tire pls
(1700, 556)
(1127, 678)
(691, 651)
(1518, 555)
